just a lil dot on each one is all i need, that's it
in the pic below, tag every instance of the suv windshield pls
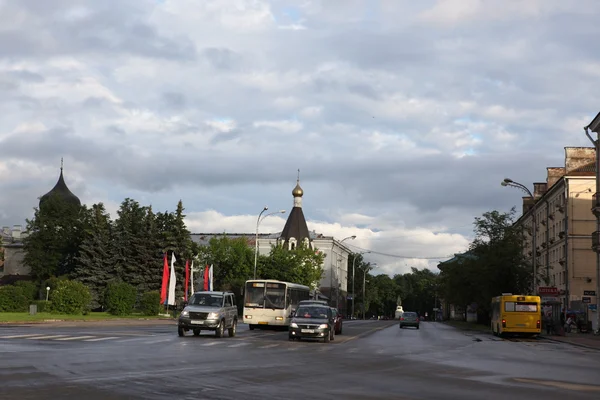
(207, 300)
(312, 312)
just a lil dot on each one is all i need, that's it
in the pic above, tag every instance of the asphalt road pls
(371, 360)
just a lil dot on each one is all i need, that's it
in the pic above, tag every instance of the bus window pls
(255, 295)
(511, 306)
(275, 296)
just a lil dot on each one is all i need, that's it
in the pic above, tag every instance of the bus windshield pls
(265, 295)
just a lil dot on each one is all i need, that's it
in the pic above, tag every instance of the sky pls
(403, 117)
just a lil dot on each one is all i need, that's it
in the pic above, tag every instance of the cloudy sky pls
(402, 116)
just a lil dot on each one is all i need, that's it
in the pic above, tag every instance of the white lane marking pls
(76, 338)
(45, 337)
(19, 336)
(268, 346)
(170, 339)
(238, 345)
(101, 339)
(353, 350)
(211, 343)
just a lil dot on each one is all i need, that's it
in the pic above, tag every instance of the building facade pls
(565, 261)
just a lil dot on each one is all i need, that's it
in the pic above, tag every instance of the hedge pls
(150, 303)
(43, 305)
(70, 297)
(120, 298)
(30, 289)
(13, 299)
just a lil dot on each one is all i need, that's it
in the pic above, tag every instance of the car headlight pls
(185, 313)
(323, 326)
(213, 315)
(293, 325)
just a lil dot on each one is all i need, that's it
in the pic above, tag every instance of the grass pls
(468, 326)
(44, 316)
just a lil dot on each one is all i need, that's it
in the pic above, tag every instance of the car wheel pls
(233, 328)
(180, 332)
(332, 334)
(341, 327)
(327, 338)
(220, 329)
(290, 338)
(417, 326)
(196, 332)
(401, 326)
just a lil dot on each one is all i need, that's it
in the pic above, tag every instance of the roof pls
(295, 226)
(61, 190)
(587, 169)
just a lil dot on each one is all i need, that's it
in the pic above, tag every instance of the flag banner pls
(210, 279)
(165, 280)
(171, 299)
(192, 278)
(187, 280)
(205, 278)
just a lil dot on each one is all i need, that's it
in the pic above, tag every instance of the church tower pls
(295, 230)
(61, 190)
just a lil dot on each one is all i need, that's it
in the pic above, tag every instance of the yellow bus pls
(516, 314)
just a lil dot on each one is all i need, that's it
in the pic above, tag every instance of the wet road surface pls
(371, 360)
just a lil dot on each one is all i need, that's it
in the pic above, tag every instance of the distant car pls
(409, 319)
(337, 318)
(313, 321)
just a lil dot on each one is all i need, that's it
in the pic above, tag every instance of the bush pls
(70, 297)
(13, 299)
(150, 303)
(43, 305)
(120, 298)
(30, 289)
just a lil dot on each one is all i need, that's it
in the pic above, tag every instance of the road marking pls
(268, 346)
(101, 339)
(76, 338)
(45, 337)
(238, 345)
(18, 336)
(211, 343)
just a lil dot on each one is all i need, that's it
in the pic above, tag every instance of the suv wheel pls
(220, 329)
(233, 328)
(180, 332)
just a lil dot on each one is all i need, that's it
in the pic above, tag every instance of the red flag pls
(206, 278)
(165, 280)
(187, 279)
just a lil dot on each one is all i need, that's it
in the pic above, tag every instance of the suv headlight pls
(185, 313)
(213, 315)
(293, 325)
(323, 326)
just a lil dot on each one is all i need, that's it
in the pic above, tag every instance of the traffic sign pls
(587, 300)
(589, 292)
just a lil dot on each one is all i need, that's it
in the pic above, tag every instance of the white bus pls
(269, 302)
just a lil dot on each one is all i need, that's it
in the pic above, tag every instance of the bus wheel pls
(251, 327)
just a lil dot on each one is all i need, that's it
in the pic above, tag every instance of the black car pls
(313, 321)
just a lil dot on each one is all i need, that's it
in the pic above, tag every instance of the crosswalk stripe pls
(76, 338)
(211, 343)
(268, 346)
(19, 336)
(45, 337)
(239, 345)
(100, 339)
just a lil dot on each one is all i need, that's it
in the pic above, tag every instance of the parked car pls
(337, 318)
(409, 318)
(312, 321)
(210, 311)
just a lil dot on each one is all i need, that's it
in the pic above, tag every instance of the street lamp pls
(258, 221)
(511, 183)
(353, 263)
(47, 292)
(367, 268)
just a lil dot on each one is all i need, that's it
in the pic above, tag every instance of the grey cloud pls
(222, 59)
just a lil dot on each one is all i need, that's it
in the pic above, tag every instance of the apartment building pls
(566, 263)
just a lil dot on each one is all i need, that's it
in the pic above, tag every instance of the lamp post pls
(367, 269)
(47, 292)
(511, 183)
(353, 263)
(258, 221)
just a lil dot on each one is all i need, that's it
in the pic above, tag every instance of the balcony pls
(596, 204)
(596, 241)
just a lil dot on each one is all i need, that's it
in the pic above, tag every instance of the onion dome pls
(61, 190)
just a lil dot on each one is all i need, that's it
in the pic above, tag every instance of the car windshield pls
(206, 299)
(312, 312)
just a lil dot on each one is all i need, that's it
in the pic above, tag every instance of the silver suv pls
(209, 311)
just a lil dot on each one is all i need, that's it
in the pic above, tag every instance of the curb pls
(123, 321)
(585, 346)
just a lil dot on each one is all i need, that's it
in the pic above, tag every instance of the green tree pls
(302, 265)
(232, 260)
(95, 263)
(55, 234)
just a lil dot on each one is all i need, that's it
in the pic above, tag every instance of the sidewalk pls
(587, 340)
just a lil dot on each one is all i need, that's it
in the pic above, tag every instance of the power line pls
(397, 255)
